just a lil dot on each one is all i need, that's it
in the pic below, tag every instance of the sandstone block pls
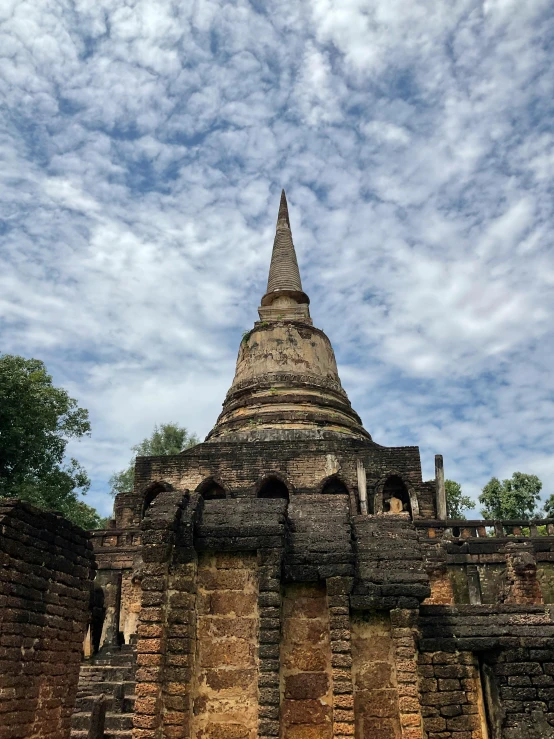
(304, 607)
(306, 685)
(225, 679)
(226, 731)
(374, 674)
(141, 721)
(150, 660)
(231, 579)
(374, 729)
(146, 705)
(303, 631)
(213, 627)
(408, 704)
(176, 688)
(381, 703)
(230, 561)
(230, 602)
(306, 659)
(344, 729)
(305, 712)
(310, 731)
(238, 653)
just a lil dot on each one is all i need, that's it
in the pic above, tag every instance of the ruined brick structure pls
(46, 568)
(291, 577)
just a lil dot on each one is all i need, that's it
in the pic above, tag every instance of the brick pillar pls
(338, 591)
(180, 635)
(523, 588)
(306, 669)
(442, 592)
(269, 606)
(163, 650)
(224, 683)
(113, 608)
(115, 640)
(404, 633)
(440, 490)
(151, 644)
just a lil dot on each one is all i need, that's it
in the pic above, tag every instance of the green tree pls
(515, 498)
(168, 438)
(36, 422)
(549, 507)
(456, 502)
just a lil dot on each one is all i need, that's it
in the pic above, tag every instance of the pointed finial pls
(284, 282)
(283, 209)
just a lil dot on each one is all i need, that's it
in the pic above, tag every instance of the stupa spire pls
(286, 382)
(284, 297)
(283, 271)
(283, 209)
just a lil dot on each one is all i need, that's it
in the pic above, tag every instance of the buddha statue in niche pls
(395, 505)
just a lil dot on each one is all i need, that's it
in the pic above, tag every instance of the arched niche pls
(210, 489)
(333, 486)
(272, 486)
(151, 493)
(394, 486)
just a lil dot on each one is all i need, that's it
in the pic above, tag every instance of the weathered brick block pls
(305, 712)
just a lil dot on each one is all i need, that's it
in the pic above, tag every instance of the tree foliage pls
(549, 507)
(514, 498)
(456, 502)
(36, 422)
(168, 438)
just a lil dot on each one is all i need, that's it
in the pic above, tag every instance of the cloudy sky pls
(143, 146)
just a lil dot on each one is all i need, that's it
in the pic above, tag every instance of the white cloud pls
(144, 146)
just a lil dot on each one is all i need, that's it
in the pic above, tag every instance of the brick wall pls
(224, 683)
(305, 465)
(451, 697)
(493, 660)
(374, 676)
(306, 671)
(46, 566)
(523, 690)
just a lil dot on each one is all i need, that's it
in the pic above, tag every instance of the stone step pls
(106, 673)
(114, 721)
(119, 721)
(90, 669)
(84, 702)
(126, 660)
(105, 689)
(105, 686)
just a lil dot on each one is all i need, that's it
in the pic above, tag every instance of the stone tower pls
(289, 577)
(260, 522)
(286, 378)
